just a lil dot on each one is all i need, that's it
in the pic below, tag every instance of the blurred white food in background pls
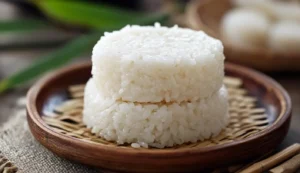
(8, 11)
(261, 5)
(286, 10)
(245, 28)
(277, 24)
(279, 10)
(285, 37)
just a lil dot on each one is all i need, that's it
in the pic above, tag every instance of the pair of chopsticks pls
(285, 161)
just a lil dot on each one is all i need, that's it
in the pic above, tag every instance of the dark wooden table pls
(291, 82)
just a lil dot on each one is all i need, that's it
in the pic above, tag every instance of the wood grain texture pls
(206, 15)
(271, 95)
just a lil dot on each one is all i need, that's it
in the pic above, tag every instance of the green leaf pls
(21, 25)
(94, 16)
(59, 57)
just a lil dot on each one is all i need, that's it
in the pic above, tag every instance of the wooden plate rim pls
(280, 92)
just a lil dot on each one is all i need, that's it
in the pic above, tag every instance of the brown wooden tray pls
(206, 15)
(52, 90)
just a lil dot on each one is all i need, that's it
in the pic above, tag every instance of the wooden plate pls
(51, 90)
(206, 15)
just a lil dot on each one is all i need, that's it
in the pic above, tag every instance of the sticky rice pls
(154, 124)
(157, 64)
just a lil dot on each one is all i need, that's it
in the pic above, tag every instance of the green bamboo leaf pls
(94, 16)
(61, 56)
(21, 25)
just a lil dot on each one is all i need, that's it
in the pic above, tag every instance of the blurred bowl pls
(207, 15)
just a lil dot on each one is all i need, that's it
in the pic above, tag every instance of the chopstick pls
(290, 156)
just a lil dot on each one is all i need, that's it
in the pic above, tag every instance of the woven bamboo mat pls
(246, 118)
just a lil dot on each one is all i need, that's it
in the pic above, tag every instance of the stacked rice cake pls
(156, 86)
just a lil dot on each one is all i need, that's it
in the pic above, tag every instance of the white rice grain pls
(154, 64)
(135, 145)
(157, 125)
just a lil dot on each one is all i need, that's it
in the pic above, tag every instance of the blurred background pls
(41, 35)
(27, 32)
(29, 29)
(38, 36)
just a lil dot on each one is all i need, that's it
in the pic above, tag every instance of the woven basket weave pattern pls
(246, 119)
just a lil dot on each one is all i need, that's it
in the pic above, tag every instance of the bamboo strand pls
(289, 166)
(77, 88)
(232, 82)
(254, 161)
(273, 160)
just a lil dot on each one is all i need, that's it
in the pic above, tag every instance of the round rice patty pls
(157, 125)
(155, 64)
